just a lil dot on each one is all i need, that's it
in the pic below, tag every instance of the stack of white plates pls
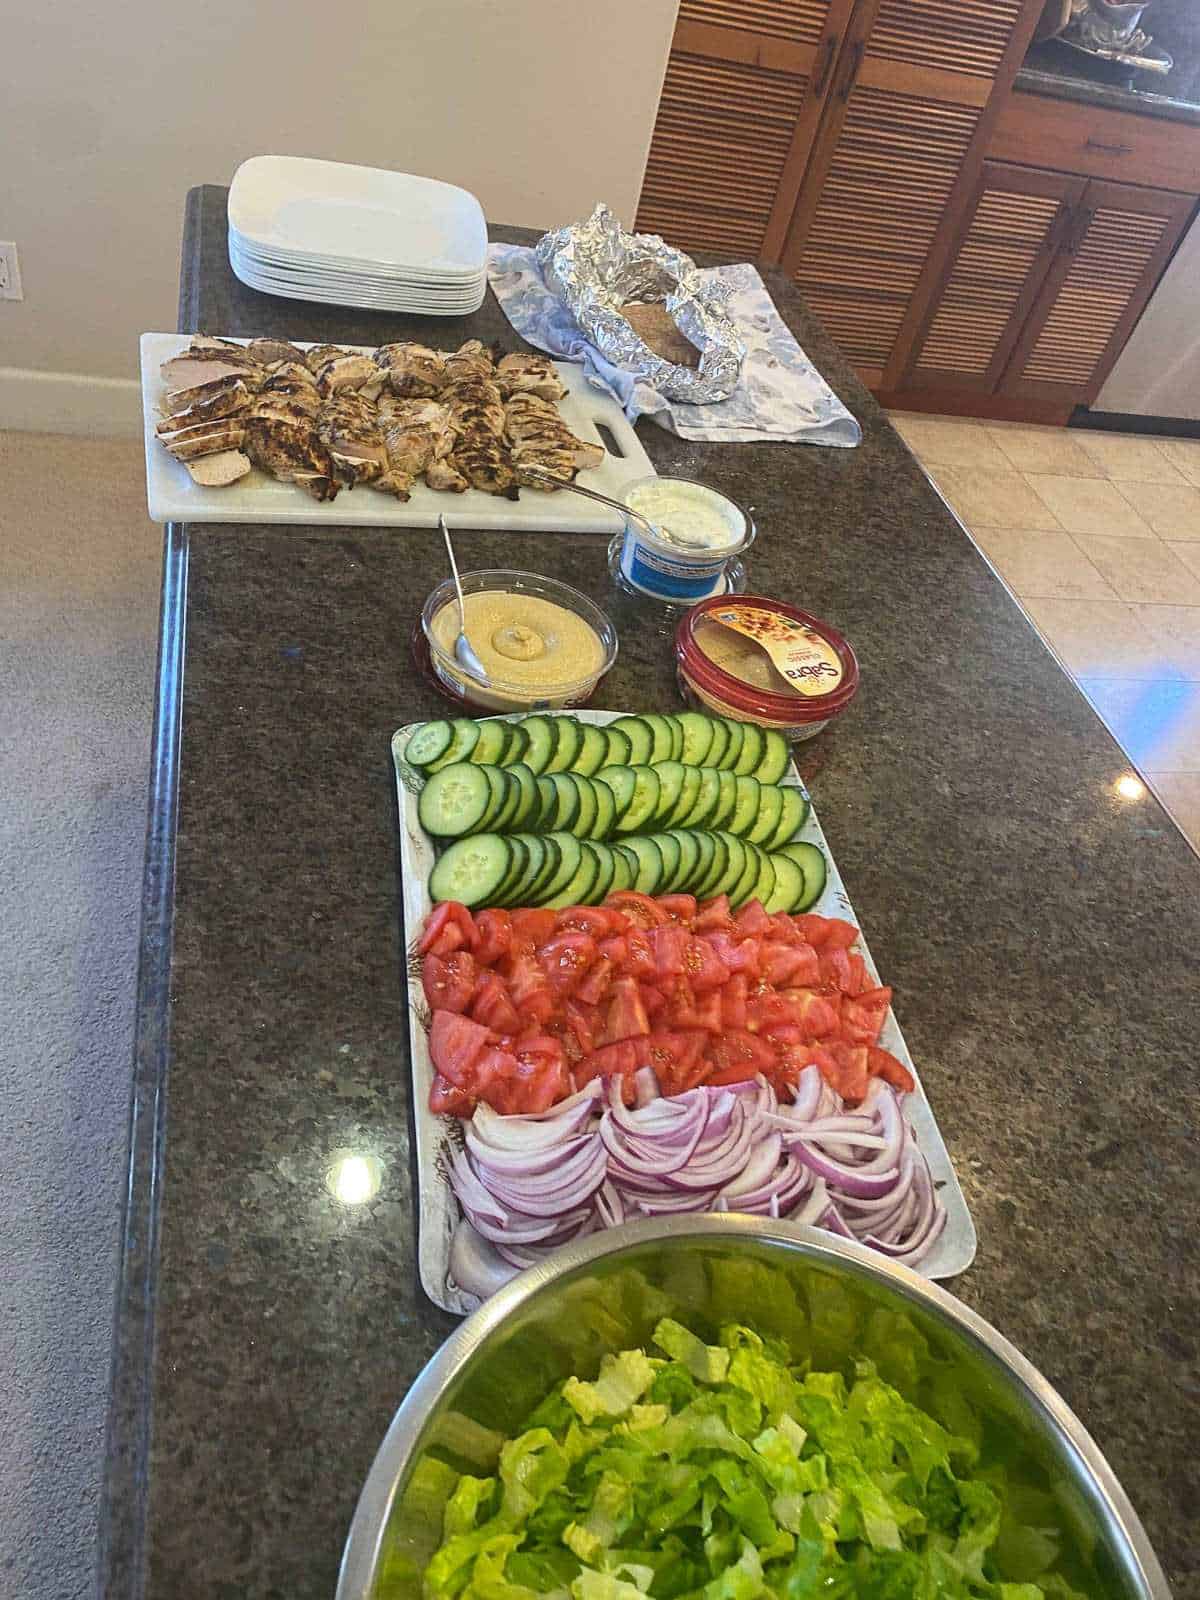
(357, 236)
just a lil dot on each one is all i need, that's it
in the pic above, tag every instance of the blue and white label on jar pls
(667, 577)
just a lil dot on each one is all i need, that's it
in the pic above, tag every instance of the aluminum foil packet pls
(595, 268)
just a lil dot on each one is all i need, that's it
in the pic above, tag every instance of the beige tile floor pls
(1098, 537)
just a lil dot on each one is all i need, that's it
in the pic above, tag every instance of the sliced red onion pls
(610, 1209)
(832, 1220)
(574, 1191)
(521, 1229)
(806, 1096)
(761, 1165)
(476, 1265)
(525, 1163)
(814, 1206)
(645, 1086)
(473, 1197)
(538, 1130)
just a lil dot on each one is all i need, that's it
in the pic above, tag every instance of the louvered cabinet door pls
(1121, 239)
(1017, 220)
(741, 102)
(902, 134)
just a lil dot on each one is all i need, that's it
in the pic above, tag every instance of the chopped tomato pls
(784, 964)
(532, 925)
(641, 910)
(615, 949)
(713, 914)
(527, 985)
(858, 973)
(743, 956)
(653, 998)
(815, 929)
(601, 922)
(703, 966)
(813, 1013)
(639, 956)
(541, 1076)
(494, 935)
(883, 1064)
(581, 1022)
(448, 981)
(446, 1100)
(752, 922)
(455, 1045)
(836, 972)
(448, 929)
(625, 1017)
(793, 1058)
(783, 929)
(565, 958)
(840, 934)
(687, 1010)
(596, 982)
(851, 1077)
(860, 1022)
(610, 1059)
(676, 1059)
(679, 907)
(669, 944)
(733, 1001)
(491, 1006)
(742, 1054)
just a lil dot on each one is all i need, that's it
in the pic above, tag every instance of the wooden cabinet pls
(1050, 273)
(830, 135)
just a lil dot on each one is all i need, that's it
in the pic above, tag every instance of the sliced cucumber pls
(517, 885)
(549, 867)
(492, 741)
(733, 750)
(607, 858)
(763, 886)
(625, 865)
(570, 854)
(539, 734)
(606, 810)
(735, 865)
(518, 863)
(498, 782)
(619, 753)
(650, 864)
(622, 781)
(770, 809)
(506, 821)
(676, 736)
(720, 743)
(641, 810)
(815, 868)
(472, 870)
(593, 749)
(689, 854)
(753, 744)
(662, 740)
(455, 801)
(704, 889)
(567, 808)
(585, 817)
(529, 803)
(708, 798)
(670, 785)
(428, 742)
(740, 892)
(514, 744)
(791, 818)
(775, 757)
(726, 802)
(577, 889)
(689, 791)
(789, 886)
(640, 736)
(568, 739)
(672, 857)
(547, 804)
(706, 848)
(697, 738)
(745, 809)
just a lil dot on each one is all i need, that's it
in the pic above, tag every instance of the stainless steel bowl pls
(829, 1298)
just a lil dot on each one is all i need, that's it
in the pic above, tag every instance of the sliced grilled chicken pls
(183, 399)
(290, 399)
(483, 460)
(560, 462)
(209, 401)
(445, 476)
(207, 341)
(475, 403)
(471, 360)
(192, 369)
(291, 372)
(414, 371)
(290, 450)
(347, 370)
(270, 352)
(348, 427)
(417, 433)
(217, 472)
(529, 374)
(532, 424)
(205, 438)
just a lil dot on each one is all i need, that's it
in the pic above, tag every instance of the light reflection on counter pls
(352, 1178)
(1130, 787)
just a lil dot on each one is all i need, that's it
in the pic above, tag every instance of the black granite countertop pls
(1040, 932)
(1057, 69)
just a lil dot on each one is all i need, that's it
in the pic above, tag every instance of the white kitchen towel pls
(780, 394)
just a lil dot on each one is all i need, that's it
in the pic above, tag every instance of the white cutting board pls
(173, 496)
(436, 1135)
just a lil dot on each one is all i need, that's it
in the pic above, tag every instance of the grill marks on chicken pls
(330, 418)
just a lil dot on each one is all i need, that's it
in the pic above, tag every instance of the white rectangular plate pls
(439, 1213)
(173, 496)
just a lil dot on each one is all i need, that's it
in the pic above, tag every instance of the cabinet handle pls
(854, 56)
(1109, 149)
(821, 77)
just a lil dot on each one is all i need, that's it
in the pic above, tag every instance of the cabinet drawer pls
(1036, 131)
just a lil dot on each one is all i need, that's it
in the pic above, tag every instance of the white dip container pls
(711, 529)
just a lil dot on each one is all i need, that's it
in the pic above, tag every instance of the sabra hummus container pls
(543, 644)
(764, 661)
(717, 528)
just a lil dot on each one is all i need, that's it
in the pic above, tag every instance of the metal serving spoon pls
(463, 653)
(655, 530)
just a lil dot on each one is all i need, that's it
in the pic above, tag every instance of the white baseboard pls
(69, 402)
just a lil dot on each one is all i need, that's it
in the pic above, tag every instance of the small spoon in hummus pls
(464, 653)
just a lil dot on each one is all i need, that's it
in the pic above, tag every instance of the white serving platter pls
(439, 1212)
(173, 496)
(350, 214)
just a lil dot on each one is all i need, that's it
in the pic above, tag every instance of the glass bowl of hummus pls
(543, 644)
(700, 533)
(764, 661)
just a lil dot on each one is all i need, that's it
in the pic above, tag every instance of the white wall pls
(111, 111)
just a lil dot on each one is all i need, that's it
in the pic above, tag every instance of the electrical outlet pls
(10, 272)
